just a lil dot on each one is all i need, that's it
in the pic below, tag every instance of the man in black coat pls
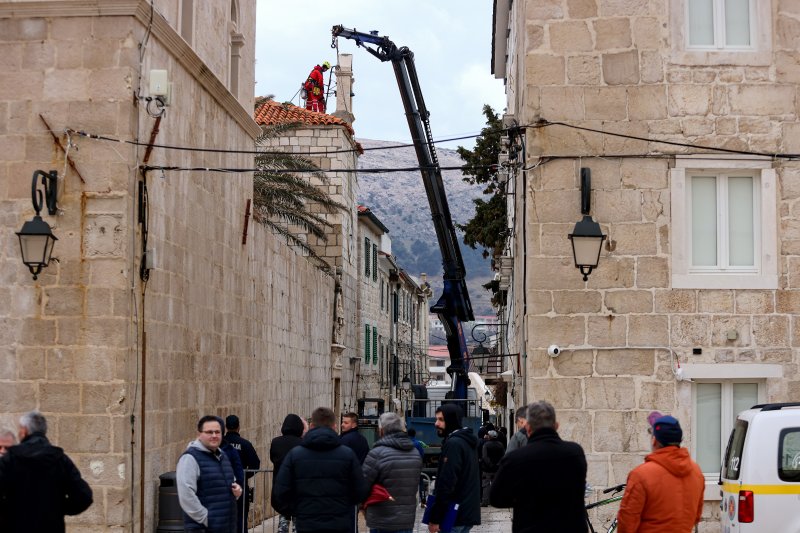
(544, 481)
(320, 482)
(352, 438)
(39, 484)
(458, 479)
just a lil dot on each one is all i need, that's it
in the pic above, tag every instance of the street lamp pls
(480, 354)
(587, 237)
(406, 383)
(36, 240)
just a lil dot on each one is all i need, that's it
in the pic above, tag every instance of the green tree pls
(487, 228)
(283, 194)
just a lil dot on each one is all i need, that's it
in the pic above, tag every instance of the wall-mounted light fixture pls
(36, 240)
(587, 237)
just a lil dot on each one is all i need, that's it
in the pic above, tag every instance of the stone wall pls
(612, 65)
(331, 148)
(223, 327)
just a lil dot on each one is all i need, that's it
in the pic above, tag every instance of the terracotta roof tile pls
(271, 112)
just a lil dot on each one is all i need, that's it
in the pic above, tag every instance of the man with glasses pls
(207, 489)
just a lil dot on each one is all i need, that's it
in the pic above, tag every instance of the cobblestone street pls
(492, 521)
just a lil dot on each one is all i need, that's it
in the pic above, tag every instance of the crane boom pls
(454, 306)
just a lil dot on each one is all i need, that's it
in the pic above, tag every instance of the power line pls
(547, 123)
(165, 168)
(97, 137)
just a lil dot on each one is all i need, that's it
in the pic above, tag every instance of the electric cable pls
(546, 123)
(97, 137)
(165, 168)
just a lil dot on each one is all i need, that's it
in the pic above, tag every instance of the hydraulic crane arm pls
(454, 306)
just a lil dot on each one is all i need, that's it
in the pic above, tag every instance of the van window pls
(733, 455)
(789, 455)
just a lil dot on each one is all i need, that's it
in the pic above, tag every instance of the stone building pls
(374, 243)
(681, 110)
(395, 339)
(167, 301)
(327, 141)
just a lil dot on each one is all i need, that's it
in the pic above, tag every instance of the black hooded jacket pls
(458, 478)
(544, 482)
(319, 483)
(39, 484)
(291, 436)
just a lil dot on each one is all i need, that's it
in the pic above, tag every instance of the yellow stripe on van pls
(761, 489)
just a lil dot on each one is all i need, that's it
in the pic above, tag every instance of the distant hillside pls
(399, 201)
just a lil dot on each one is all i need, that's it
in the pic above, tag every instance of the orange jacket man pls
(315, 88)
(665, 494)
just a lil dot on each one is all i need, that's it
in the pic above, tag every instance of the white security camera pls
(553, 350)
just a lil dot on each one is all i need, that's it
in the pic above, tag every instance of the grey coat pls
(395, 463)
(518, 440)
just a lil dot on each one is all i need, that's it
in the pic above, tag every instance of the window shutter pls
(366, 343)
(374, 262)
(366, 256)
(374, 345)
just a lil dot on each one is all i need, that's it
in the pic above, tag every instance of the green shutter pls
(366, 256)
(374, 262)
(366, 343)
(374, 345)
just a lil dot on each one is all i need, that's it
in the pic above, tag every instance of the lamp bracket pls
(586, 190)
(50, 197)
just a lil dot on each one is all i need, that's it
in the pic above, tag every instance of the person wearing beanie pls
(292, 432)
(544, 481)
(458, 478)
(665, 494)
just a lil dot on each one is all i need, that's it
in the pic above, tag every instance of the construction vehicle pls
(454, 306)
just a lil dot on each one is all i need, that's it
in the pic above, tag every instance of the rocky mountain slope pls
(398, 199)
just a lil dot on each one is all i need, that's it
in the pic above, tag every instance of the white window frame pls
(765, 275)
(718, 24)
(759, 53)
(726, 375)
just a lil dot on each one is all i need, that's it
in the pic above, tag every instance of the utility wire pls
(661, 141)
(163, 168)
(255, 152)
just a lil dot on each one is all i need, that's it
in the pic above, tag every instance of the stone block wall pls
(612, 65)
(223, 327)
(333, 149)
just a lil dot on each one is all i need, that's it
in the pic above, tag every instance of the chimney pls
(344, 88)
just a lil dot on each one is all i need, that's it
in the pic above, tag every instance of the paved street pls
(492, 521)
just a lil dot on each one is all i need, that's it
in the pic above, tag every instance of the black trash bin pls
(170, 516)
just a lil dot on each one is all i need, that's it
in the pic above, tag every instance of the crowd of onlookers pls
(322, 479)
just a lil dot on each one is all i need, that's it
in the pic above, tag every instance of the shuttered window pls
(367, 254)
(374, 345)
(366, 343)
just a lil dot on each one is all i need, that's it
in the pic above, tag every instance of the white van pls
(760, 474)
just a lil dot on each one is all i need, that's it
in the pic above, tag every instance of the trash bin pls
(170, 516)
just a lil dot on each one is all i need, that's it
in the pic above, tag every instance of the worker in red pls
(315, 88)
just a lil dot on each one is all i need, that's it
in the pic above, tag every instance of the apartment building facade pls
(683, 112)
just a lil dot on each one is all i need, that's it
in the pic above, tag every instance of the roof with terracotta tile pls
(271, 112)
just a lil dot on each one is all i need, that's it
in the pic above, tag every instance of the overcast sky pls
(451, 41)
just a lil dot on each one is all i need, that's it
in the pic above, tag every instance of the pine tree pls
(487, 228)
